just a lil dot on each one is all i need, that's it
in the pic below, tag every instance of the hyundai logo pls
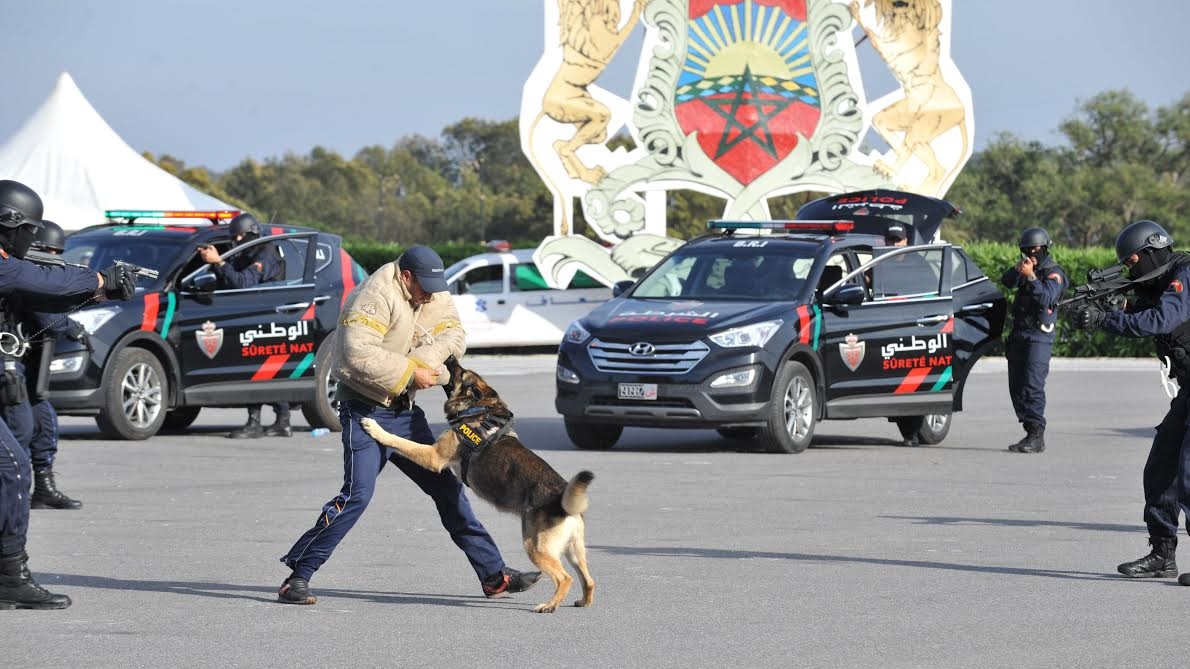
(642, 348)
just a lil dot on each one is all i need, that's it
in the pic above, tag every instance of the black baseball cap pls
(425, 264)
(896, 231)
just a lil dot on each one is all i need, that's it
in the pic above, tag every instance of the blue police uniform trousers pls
(19, 418)
(1167, 471)
(43, 446)
(363, 459)
(1028, 355)
(16, 478)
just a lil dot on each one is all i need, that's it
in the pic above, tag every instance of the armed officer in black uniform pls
(257, 265)
(1161, 311)
(1039, 284)
(58, 288)
(43, 433)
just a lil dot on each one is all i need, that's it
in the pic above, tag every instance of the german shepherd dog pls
(500, 469)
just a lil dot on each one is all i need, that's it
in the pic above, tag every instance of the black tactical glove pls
(119, 282)
(75, 331)
(1090, 317)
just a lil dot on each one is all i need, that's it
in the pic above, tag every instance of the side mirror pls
(203, 283)
(847, 294)
(619, 287)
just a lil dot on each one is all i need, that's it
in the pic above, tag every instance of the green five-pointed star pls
(758, 131)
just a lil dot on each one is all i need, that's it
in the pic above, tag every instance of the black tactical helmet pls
(245, 224)
(1031, 237)
(51, 237)
(1139, 236)
(18, 204)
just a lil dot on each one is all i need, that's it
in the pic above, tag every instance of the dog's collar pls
(474, 438)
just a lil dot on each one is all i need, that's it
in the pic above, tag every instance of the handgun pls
(138, 270)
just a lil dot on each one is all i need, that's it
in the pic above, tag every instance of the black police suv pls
(761, 329)
(183, 343)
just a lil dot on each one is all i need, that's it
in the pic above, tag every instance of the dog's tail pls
(574, 499)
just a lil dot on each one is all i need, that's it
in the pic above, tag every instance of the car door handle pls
(933, 320)
(297, 306)
(976, 308)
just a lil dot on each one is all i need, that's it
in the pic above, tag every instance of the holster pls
(12, 388)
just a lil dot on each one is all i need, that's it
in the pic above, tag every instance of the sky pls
(214, 82)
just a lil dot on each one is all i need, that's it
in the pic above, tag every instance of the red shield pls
(748, 87)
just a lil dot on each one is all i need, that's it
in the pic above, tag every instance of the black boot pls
(19, 590)
(47, 496)
(251, 429)
(1034, 441)
(281, 427)
(1016, 448)
(1159, 563)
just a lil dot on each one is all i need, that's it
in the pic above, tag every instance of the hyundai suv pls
(182, 343)
(761, 329)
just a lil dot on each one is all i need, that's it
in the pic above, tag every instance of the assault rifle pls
(43, 258)
(1104, 288)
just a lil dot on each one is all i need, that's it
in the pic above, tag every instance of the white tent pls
(80, 166)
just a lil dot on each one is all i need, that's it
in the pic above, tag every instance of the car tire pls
(324, 410)
(180, 418)
(134, 396)
(792, 411)
(592, 436)
(930, 430)
(738, 433)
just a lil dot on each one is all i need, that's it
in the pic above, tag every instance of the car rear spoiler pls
(874, 210)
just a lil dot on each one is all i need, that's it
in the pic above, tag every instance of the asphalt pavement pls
(857, 553)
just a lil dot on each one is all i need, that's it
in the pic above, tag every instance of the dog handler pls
(396, 331)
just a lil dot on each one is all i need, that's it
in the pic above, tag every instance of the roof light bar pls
(801, 226)
(221, 215)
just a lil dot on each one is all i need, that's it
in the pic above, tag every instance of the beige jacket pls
(381, 340)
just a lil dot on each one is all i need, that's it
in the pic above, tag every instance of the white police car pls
(503, 301)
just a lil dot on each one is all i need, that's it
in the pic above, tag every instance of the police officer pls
(43, 433)
(1161, 311)
(260, 263)
(58, 288)
(1039, 284)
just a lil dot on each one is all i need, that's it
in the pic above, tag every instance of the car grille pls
(666, 359)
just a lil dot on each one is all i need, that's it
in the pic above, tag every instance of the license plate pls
(637, 391)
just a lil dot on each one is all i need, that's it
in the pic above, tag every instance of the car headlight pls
(576, 333)
(756, 334)
(93, 319)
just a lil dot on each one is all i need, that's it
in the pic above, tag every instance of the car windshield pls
(101, 251)
(743, 270)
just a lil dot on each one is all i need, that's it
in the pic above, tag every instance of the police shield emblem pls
(210, 340)
(852, 351)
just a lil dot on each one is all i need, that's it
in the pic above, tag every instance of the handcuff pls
(14, 344)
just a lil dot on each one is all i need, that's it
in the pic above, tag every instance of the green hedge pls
(992, 257)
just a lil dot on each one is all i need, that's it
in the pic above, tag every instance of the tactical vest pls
(1027, 312)
(1175, 345)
